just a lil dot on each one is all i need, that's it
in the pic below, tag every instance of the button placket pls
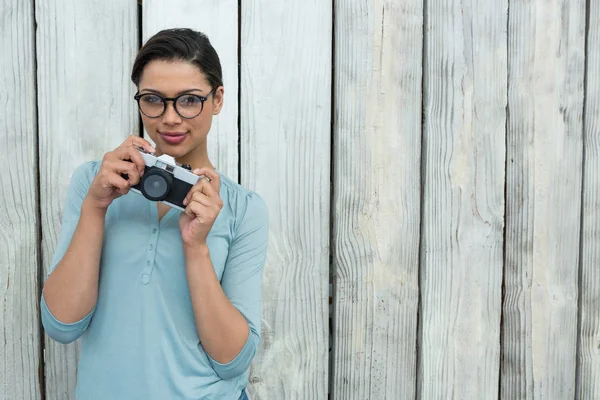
(150, 256)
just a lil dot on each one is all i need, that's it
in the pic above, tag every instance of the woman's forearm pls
(71, 290)
(223, 330)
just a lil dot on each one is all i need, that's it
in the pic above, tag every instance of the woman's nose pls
(171, 116)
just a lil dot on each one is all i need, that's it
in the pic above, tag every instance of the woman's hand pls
(109, 184)
(203, 205)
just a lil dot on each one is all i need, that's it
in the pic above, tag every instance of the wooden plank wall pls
(376, 199)
(463, 199)
(20, 355)
(285, 110)
(85, 51)
(588, 358)
(448, 150)
(544, 174)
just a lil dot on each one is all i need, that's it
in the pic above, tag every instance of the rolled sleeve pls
(242, 279)
(59, 331)
(241, 362)
(78, 187)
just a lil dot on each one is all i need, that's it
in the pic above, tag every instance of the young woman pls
(168, 303)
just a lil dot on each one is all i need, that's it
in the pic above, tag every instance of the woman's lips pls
(173, 137)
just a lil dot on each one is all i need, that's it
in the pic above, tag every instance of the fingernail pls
(197, 171)
(185, 201)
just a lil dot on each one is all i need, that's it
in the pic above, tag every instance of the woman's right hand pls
(109, 183)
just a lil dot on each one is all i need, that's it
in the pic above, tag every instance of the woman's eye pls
(189, 100)
(152, 99)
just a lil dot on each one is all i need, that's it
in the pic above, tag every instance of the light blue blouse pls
(141, 341)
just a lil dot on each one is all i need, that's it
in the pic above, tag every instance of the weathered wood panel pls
(20, 356)
(376, 207)
(463, 206)
(219, 21)
(589, 334)
(86, 107)
(285, 147)
(544, 151)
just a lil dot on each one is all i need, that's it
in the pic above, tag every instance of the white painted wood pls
(589, 334)
(85, 54)
(463, 215)
(219, 21)
(20, 356)
(544, 173)
(285, 147)
(376, 208)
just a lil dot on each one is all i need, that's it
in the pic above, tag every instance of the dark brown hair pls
(180, 44)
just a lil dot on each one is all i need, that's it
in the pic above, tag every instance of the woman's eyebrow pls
(162, 94)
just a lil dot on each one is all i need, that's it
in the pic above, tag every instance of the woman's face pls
(182, 138)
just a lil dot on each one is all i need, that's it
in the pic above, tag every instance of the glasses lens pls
(151, 105)
(189, 105)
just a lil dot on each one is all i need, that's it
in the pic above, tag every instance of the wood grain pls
(285, 148)
(463, 204)
(544, 151)
(588, 359)
(376, 202)
(86, 108)
(20, 355)
(219, 21)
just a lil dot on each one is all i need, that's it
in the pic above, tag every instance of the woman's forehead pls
(173, 76)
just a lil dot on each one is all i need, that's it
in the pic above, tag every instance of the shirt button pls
(151, 247)
(154, 230)
(147, 263)
(145, 279)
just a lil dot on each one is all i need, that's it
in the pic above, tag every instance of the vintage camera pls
(165, 180)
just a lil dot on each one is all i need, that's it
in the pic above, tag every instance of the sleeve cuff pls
(240, 363)
(60, 331)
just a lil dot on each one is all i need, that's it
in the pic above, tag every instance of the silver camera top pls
(180, 171)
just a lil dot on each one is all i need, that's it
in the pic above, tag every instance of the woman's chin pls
(173, 152)
(177, 152)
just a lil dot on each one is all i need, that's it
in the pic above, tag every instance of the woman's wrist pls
(88, 207)
(196, 253)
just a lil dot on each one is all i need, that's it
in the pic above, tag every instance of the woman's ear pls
(218, 100)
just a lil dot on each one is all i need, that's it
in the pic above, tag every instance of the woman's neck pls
(196, 162)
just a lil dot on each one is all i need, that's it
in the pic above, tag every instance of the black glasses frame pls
(202, 99)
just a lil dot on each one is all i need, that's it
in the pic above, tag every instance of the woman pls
(167, 303)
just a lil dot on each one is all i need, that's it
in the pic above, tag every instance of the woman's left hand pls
(203, 205)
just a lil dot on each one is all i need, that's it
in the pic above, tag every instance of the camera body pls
(165, 180)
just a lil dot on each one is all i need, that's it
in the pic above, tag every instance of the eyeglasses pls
(186, 105)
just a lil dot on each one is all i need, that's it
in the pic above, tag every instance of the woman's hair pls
(180, 44)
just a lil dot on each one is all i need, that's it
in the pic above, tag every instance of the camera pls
(165, 180)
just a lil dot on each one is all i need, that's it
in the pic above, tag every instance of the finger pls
(193, 209)
(203, 199)
(127, 168)
(134, 140)
(131, 153)
(210, 172)
(213, 176)
(196, 210)
(207, 188)
(189, 194)
(202, 187)
(197, 187)
(119, 183)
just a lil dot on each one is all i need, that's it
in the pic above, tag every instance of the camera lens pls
(156, 184)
